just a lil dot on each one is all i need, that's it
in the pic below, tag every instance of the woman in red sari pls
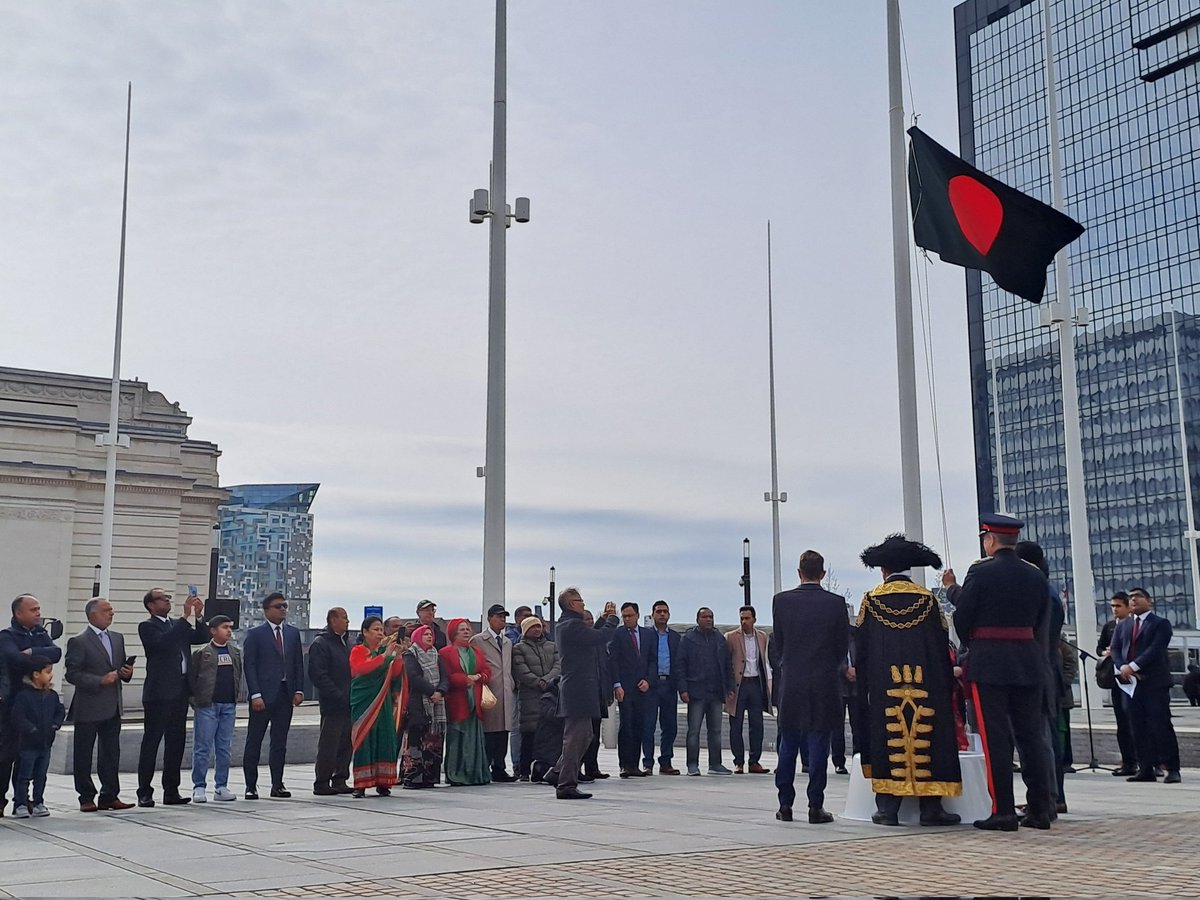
(378, 697)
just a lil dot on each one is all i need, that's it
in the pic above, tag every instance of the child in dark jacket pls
(37, 715)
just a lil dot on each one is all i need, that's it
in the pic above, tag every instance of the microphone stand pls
(1093, 764)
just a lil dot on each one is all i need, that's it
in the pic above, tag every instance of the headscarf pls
(452, 629)
(435, 713)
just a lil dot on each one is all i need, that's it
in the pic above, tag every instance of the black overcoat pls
(812, 637)
(581, 691)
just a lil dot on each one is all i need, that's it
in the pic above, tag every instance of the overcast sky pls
(303, 280)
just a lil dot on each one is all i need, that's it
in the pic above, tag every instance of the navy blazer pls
(1150, 652)
(166, 645)
(266, 669)
(629, 666)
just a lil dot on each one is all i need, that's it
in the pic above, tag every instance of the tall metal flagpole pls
(112, 439)
(1191, 535)
(1063, 315)
(774, 498)
(494, 463)
(906, 367)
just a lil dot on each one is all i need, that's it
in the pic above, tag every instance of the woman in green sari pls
(378, 696)
(466, 756)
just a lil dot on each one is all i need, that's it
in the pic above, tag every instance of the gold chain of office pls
(870, 603)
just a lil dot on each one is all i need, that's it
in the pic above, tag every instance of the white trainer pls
(224, 793)
(198, 796)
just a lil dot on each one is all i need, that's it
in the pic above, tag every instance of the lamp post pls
(493, 205)
(551, 600)
(96, 580)
(744, 581)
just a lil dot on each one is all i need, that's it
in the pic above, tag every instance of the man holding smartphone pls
(167, 643)
(98, 667)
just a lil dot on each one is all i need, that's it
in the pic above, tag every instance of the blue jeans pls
(817, 745)
(709, 712)
(32, 765)
(213, 726)
(664, 709)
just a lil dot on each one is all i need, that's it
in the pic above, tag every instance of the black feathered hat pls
(898, 553)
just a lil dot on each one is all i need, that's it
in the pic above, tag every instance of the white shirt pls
(1140, 620)
(750, 670)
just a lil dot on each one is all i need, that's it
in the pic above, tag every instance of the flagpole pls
(1063, 314)
(774, 498)
(494, 442)
(910, 450)
(996, 431)
(112, 439)
(1191, 535)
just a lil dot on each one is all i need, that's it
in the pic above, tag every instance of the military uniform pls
(1000, 613)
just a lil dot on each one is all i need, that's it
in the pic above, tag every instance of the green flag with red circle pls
(970, 219)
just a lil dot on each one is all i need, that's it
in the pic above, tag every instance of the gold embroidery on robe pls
(908, 750)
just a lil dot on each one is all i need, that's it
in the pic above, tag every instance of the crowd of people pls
(413, 705)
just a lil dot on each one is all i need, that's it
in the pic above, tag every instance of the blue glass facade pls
(266, 546)
(1129, 113)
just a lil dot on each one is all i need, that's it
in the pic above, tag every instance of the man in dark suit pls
(1001, 610)
(632, 655)
(812, 637)
(581, 691)
(274, 666)
(329, 672)
(1139, 652)
(664, 693)
(1120, 607)
(96, 665)
(167, 643)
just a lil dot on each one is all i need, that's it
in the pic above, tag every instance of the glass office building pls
(266, 546)
(1128, 74)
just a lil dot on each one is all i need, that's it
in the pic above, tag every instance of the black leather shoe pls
(1172, 777)
(841, 770)
(784, 814)
(1125, 771)
(881, 818)
(503, 777)
(251, 794)
(1040, 822)
(997, 822)
(342, 788)
(572, 794)
(584, 778)
(176, 800)
(279, 792)
(550, 778)
(598, 775)
(359, 795)
(941, 817)
(804, 770)
(1158, 772)
(818, 816)
(145, 802)
(1143, 776)
(324, 790)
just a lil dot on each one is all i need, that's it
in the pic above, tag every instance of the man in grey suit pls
(97, 665)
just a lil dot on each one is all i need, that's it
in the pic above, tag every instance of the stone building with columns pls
(52, 491)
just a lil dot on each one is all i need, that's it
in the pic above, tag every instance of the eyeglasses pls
(279, 606)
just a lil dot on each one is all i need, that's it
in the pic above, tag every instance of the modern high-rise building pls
(1128, 88)
(266, 546)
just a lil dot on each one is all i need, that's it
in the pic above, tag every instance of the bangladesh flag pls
(972, 220)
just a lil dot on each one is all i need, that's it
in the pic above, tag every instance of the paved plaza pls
(652, 837)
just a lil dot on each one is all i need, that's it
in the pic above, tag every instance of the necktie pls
(107, 642)
(1133, 640)
(500, 644)
(279, 640)
(633, 638)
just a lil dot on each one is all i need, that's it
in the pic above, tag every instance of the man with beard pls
(905, 679)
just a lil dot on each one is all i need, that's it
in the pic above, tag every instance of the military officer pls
(1000, 611)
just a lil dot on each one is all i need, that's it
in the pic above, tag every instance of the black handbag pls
(1106, 676)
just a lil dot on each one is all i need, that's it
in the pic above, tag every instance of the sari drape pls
(378, 697)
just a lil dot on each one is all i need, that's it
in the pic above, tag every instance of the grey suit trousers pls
(577, 734)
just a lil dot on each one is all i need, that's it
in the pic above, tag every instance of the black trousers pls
(9, 749)
(277, 715)
(525, 760)
(166, 724)
(108, 759)
(749, 705)
(837, 743)
(1153, 733)
(632, 713)
(496, 745)
(1022, 706)
(333, 750)
(1124, 729)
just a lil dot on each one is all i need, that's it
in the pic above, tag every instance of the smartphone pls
(130, 660)
(192, 591)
